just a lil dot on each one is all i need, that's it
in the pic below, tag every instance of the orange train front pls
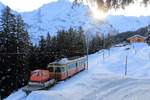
(39, 79)
(39, 76)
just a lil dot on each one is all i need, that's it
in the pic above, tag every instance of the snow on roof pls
(66, 61)
(63, 61)
(139, 36)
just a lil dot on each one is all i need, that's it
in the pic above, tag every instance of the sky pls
(135, 9)
(25, 5)
(29, 5)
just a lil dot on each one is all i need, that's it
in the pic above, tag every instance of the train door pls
(60, 73)
(64, 72)
(77, 66)
(67, 69)
(57, 72)
(51, 72)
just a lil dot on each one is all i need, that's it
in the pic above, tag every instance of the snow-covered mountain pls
(1, 7)
(62, 15)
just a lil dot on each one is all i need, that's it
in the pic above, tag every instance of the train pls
(56, 71)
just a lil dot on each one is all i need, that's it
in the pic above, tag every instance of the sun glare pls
(135, 9)
(99, 15)
(95, 12)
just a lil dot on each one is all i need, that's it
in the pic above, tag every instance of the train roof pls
(65, 61)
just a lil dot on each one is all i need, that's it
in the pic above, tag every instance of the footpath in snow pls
(104, 79)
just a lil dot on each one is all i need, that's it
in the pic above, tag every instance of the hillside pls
(51, 18)
(104, 79)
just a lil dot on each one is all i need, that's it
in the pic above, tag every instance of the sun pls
(96, 13)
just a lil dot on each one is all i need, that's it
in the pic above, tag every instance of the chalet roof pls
(137, 36)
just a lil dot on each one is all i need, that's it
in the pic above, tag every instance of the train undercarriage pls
(35, 86)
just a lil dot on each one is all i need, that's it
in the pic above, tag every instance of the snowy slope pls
(128, 23)
(60, 15)
(1, 6)
(104, 80)
(55, 16)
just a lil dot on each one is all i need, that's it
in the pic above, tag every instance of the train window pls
(72, 65)
(80, 63)
(57, 69)
(62, 69)
(51, 69)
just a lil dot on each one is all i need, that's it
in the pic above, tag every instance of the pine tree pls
(34, 57)
(115, 3)
(13, 51)
(81, 42)
(23, 50)
(61, 42)
(148, 35)
(8, 30)
(42, 52)
(55, 48)
(108, 41)
(96, 43)
(49, 51)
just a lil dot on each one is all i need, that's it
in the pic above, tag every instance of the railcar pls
(65, 68)
(39, 79)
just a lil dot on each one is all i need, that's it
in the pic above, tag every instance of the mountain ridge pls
(58, 15)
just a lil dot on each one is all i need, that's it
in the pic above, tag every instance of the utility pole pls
(126, 65)
(149, 55)
(87, 51)
(103, 46)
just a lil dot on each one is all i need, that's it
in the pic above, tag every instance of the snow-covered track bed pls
(104, 87)
(104, 79)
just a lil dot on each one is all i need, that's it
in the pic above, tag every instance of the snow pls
(16, 95)
(63, 61)
(104, 79)
(128, 23)
(1, 7)
(50, 18)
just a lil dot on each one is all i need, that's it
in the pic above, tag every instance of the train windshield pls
(59, 69)
(51, 69)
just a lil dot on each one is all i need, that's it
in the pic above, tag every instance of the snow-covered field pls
(104, 79)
